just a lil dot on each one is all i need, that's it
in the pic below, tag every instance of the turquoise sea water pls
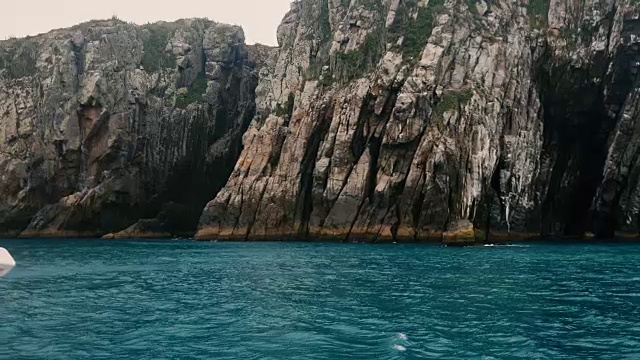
(188, 300)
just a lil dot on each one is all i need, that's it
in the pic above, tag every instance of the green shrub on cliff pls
(154, 57)
(324, 23)
(18, 58)
(418, 32)
(193, 94)
(538, 12)
(415, 33)
(288, 108)
(451, 100)
(352, 64)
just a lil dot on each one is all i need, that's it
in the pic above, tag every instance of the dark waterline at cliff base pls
(78, 299)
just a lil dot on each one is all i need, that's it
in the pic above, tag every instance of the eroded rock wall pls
(455, 119)
(107, 122)
(375, 120)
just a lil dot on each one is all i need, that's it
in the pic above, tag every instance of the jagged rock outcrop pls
(107, 122)
(375, 120)
(265, 58)
(442, 119)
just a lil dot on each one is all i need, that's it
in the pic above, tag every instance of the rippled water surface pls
(188, 300)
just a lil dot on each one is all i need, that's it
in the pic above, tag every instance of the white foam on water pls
(505, 245)
(402, 336)
(399, 347)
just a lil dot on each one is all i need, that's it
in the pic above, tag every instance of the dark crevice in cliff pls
(577, 129)
(395, 196)
(583, 104)
(255, 214)
(495, 207)
(189, 182)
(576, 137)
(375, 144)
(372, 142)
(374, 209)
(406, 153)
(417, 200)
(199, 177)
(451, 197)
(360, 137)
(359, 144)
(484, 219)
(214, 143)
(304, 206)
(495, 190)
(78, 63)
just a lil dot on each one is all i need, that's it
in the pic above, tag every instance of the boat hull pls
(7, 263)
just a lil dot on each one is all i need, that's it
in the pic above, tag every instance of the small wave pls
(399, 347)
(504, 245)
(402, 336)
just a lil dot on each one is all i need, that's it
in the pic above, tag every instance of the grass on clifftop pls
(349, 65)
(18, 58)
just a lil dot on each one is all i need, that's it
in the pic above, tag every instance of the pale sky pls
(259, 18)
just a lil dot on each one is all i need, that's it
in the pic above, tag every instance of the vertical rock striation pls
(460, 120)
(374, 120)
(107, 122)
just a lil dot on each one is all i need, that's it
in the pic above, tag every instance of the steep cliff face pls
(430, 119)
(106, 123)
(375, 120)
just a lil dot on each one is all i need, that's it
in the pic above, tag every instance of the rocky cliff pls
(109, 126)
(374, 120)
(465, 120)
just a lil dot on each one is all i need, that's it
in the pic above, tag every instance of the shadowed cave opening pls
(581, 108)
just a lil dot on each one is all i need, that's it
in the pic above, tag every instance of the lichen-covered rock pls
(265, 58)
(460, 121)
(105, 123)
(402, 120)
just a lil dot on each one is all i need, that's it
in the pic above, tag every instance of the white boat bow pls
(6, 262)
